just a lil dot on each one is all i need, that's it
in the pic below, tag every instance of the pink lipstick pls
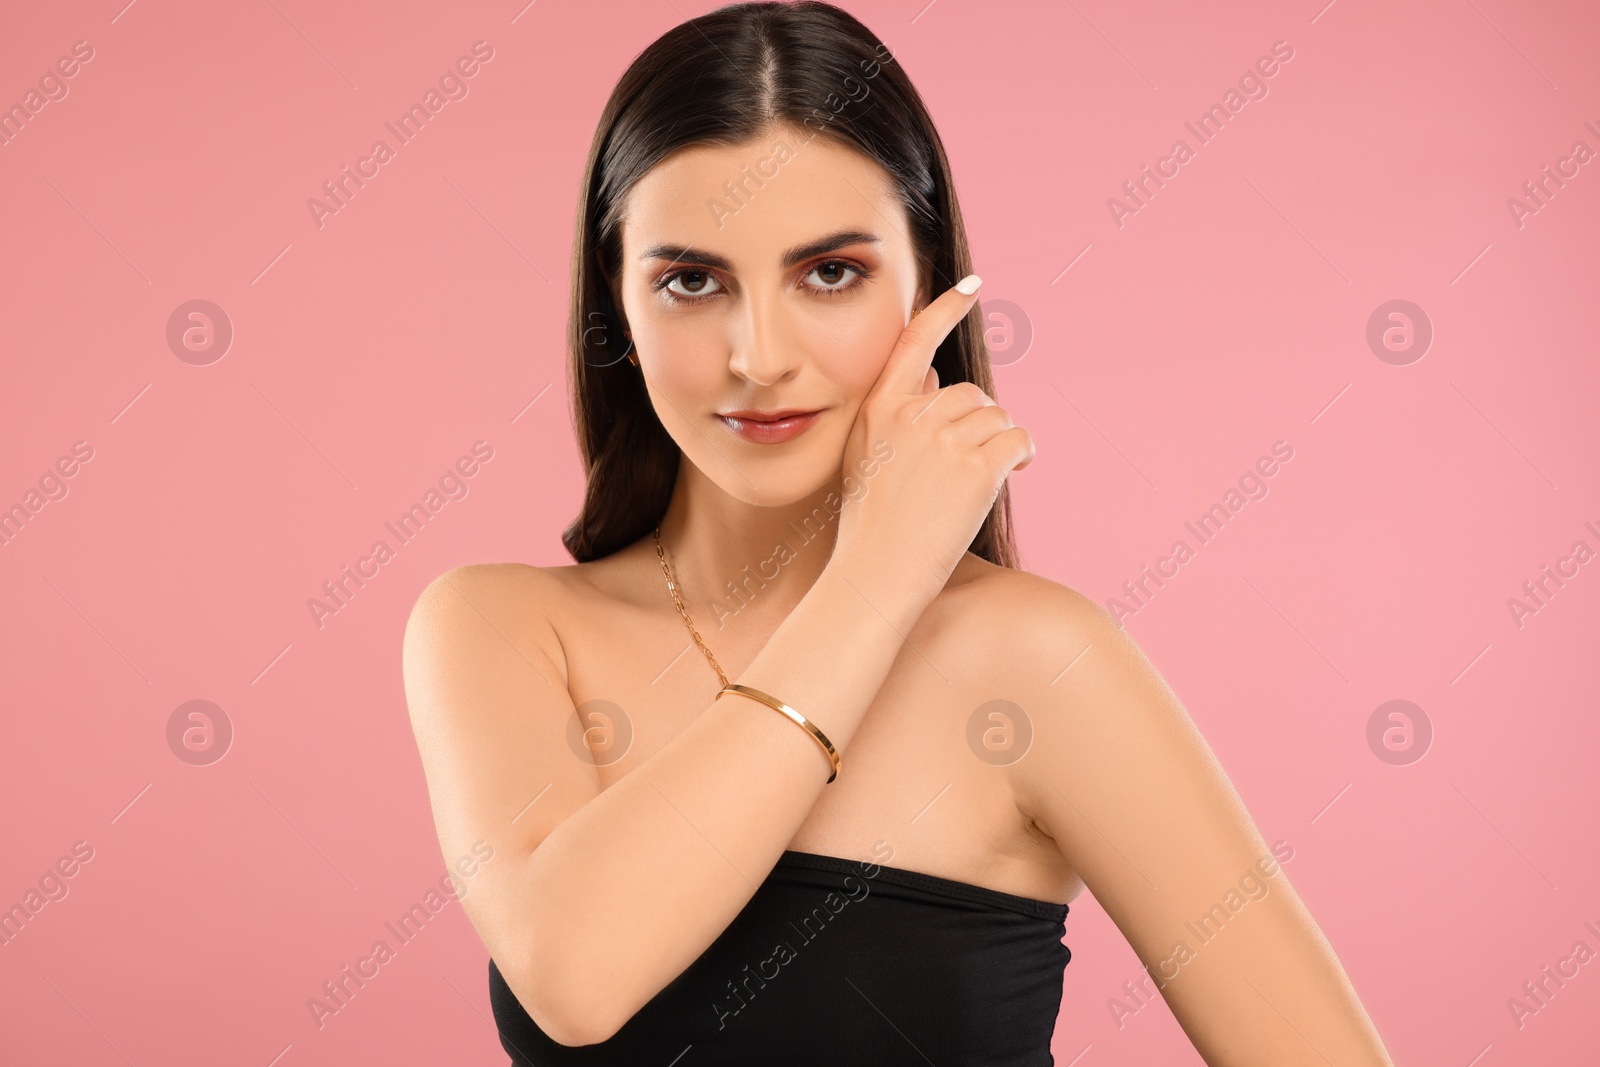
(769, 427)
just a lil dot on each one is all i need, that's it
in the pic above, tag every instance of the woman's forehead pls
(749, 204)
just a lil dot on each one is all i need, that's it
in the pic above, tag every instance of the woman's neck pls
(740, 564)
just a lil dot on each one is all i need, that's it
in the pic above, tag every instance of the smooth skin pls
(623, 852)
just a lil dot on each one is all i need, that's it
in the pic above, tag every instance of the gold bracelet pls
(778, 705)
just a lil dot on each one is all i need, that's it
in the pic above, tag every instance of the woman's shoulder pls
(523, 598)
(461, 582)
(470, 612)
(1014, 610)
(542, 588)
(979, 584)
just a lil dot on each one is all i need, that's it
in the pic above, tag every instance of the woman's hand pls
(941, 457)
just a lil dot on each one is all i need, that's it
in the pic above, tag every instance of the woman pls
(795, 764)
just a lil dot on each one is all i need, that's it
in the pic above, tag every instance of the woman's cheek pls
(853, 358)
(682, 373)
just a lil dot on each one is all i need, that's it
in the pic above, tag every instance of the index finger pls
(913, 353)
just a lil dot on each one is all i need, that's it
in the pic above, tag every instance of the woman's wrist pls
(831, 654)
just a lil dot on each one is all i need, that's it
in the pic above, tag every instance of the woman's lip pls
(767, 433)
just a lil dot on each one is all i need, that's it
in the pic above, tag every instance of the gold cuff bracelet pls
(778, 705)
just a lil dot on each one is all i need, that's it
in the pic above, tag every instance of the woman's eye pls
(832, 272)
(833, 278)
(695, 282)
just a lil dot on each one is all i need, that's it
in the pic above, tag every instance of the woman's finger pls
(913, 353)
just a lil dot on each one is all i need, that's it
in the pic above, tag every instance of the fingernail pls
(968, 285)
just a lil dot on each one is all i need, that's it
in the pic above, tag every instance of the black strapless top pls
(835, 961)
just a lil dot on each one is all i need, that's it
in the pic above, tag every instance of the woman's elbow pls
(560, 1005)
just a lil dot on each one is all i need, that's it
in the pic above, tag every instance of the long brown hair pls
(721, 79)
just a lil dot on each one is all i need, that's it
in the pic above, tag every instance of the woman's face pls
(769, 277)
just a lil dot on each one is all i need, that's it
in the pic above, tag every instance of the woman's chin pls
(778, 489)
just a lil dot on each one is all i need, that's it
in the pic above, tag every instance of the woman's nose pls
(763, 347)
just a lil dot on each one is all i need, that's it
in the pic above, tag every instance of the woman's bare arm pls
(1122, 780)
(597, 899)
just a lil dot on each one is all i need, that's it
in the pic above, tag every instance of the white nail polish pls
(968, 285)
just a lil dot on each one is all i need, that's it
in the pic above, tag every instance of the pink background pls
(1227, 314)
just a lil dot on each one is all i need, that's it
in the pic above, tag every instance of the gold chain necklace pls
(672, 587)
(754, 694)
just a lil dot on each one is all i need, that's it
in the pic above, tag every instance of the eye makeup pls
(661, 284)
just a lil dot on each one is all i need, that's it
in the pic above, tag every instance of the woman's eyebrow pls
(685, 254)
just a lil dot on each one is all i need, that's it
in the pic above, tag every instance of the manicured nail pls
(968, 285)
